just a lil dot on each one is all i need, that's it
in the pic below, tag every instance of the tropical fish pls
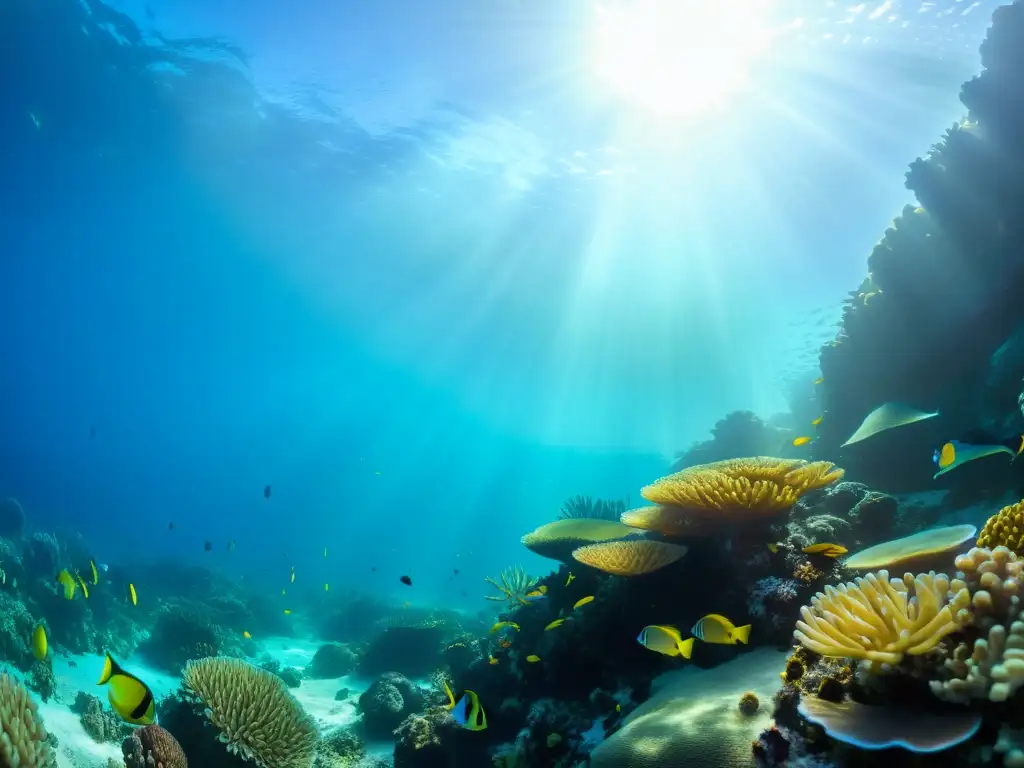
(132, 594)
(828, 550)
(325, 551)
(406, 580)
(287, 612)
(773, 548)
(802, 440)
(569, 580)
(467, 711)
(502, 624)
(540, 593)
(95, 573)
(283, 592)
(888, 416)
(327, 587)
(554, 624)
(819, 381)
(955, 453)
(715, 628)
(293, 574)
(817, 421)
(533, 658)
(208, 546)
(85, 589)
(266, 492)
(491, 660)
(232, 545)
(39, 644)
(67, 581)
(504, 643)
(583, 601)
(246, 635)
(664, 639)
(129, 696)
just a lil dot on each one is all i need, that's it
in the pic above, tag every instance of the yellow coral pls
(1005, 528)
(256, 715)
(880, 620)
(629, 558)
(742, 488)
(670, 521)
(23, 741)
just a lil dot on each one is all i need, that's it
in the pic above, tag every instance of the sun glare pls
(679, 56)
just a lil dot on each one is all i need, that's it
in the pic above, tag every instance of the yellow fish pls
(715, 628)
(802, 440)
(491, 660)
(293, 575)
(287, 612)
(467, 711)
(828, 550)
(533, 658)
(39, 644)
(283, 593)
(919, 209)
(583, 601)
(246, 635)
(131, 593)
(327, 587)
(569, 580)
(325, 551)
(502, 625)
(85, 589)
(773, 548)
(664, 639)
(65, 580)
(554, 624)
(819, 381)
(129, 696)
(817, 421)
(95, 573)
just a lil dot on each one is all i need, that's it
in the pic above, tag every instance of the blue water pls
(413, 267)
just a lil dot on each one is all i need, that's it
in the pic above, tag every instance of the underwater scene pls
(610, 383)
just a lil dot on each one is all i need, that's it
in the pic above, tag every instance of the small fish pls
(467, 711)
(569, 580)
(287, 612)
(802, 440)
(715, 628)
(583, 601)
(554, 624)
(232, 545)
(266, 492)
(293, 575)
(129, 696)
(665, 639)
(955, 453)
(455, 571)
(246, 635)
(491, 660)
(283, 593)
(39, 644)
(170, 526)
(132, 594)
(919, 210)
(817, 421)
(95, 573)
(533, 658)
(85, 589)
(504, 643)
(502, 625)
(819, 381)
(618, 707)
(828, 550)
(405, 580)
(325, 551)
(67, 581)
(327, 587)
(208, 546)
(72, 664)
(773, 548)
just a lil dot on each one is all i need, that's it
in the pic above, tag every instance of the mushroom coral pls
(881, 620)
(629, 558)
(915, 551)
(557, 540)
(742, 489)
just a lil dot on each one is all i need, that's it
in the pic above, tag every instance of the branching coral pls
(584, 506)
(880, 620)
(23, 742)
(1005, 529)
(742, 488)
(256, 716)
(515, 583)
(152, 747)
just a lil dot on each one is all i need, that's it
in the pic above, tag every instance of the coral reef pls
(584, 506)
(101, 724)
(23, 739)
(411, 650)
(389, 700)
(152, 747)
(331, 660)
(740, 433)
(341, 748)
(629, 558)
(1005, 529)
(12, 519)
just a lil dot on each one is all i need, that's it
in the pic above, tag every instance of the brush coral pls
(1005, 529)
(742, 488)
(880, 620)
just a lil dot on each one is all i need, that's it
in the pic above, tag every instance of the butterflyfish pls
(715, 628)
(802, 440)
(955, 453)
(39, 644)
(131, 593)
(129, 696)
(65, 580)
(468, 712)
(85, 589)
(664, 639)
(95, 573)
(451, 696)
(828, 550)
(533, 658)
(554, 624)
(773, 548)
(502, 624)
(569, 580)
(583, 601)
(246, 635)
(817, 421)
(491, 660)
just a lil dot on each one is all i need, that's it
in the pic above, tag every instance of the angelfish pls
(955, 454)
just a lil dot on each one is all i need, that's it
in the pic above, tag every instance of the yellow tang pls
(95, 573)
(65, 580)
(246, 635)
(773, 548)
(817, 421)
(554, 624)
(583, 601)
(802, 440)
(492, 660)
(85, 589)
(129, 696)
(715, 628)
(293, 574)
(502, 625)
(533, 658)
(39, 645)
(819, 381)
(664, 639)
(828, 550)
(132, 594)
(287, 612)
(327, 587)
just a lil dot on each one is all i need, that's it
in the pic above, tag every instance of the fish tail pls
(110, 669)
(686, 647)
(742, 634)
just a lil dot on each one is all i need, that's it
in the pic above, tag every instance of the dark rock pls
(389, 700)
(331, 660)
(342, 694)
(12, 519)
(413, 651)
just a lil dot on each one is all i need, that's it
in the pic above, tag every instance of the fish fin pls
(110, 668)
(686, 647)
(742, 634)
(451, 696)
(460, 712)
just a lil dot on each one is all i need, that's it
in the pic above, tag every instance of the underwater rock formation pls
(741, 433)
(12, 519)
(101, 724)
(389, 700)
(152, 747)
(341, 748)
(413, 651)
(431, 740)
(331, 660)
